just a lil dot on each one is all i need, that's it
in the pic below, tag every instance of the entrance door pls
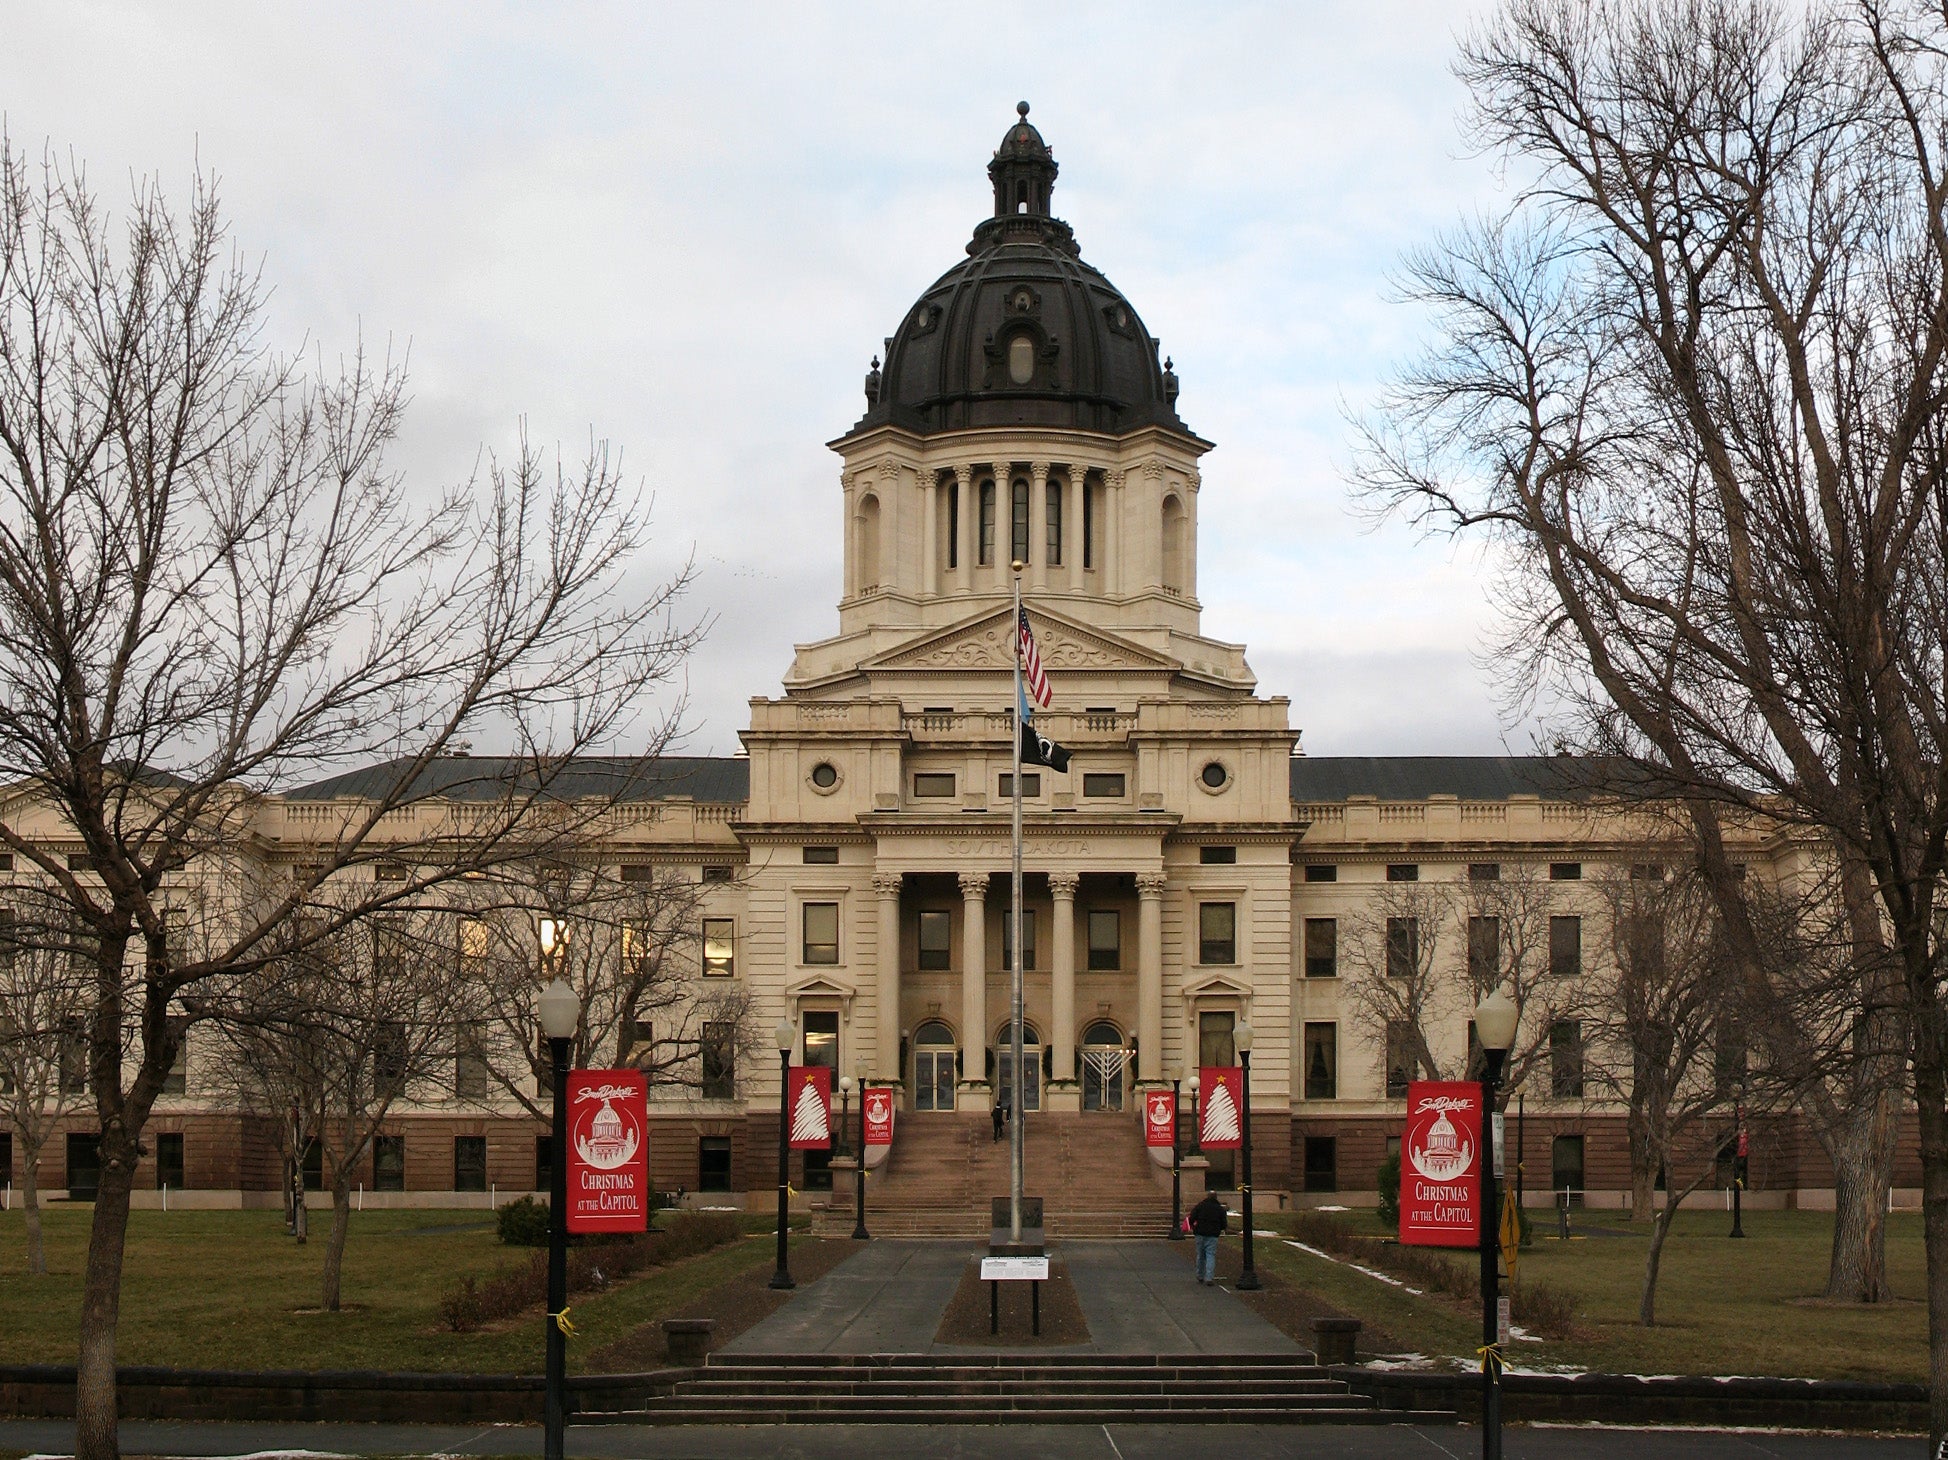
(933, 1067)
(1031, 1067)
(1104, 1064)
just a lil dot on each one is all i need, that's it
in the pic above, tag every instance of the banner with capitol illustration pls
(808, 1096)
(608, 1151)
(1440, 1164)
(1220, 1124)
(879, 1115)
(1159, 1118)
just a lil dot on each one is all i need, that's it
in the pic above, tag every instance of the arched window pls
(1005, 1033)
(1055, 490)
(933, 1032)
(935, 1066)
(868, 550)
(1020, 519)
(1174, 576)
(953, 523)
(1105, 1067)
(1102, 1032)
(987, 523)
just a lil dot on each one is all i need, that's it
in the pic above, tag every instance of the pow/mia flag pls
(1038, 749)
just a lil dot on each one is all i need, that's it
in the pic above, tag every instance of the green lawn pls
(1723, 1306)
(227, 1290)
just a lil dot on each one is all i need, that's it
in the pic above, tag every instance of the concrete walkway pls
(888, 1298)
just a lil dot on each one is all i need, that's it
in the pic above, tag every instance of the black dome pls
(1022, 332)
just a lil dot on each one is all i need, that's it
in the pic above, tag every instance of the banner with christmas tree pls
(808, 1096)
(1221, 1108)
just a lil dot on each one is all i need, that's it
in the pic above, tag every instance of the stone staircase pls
(1094, 1176)
(1092, 1389)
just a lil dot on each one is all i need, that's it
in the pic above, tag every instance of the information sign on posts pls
(1440, 1164)
(1159, 1118)
(608, 1151)
(879, 1115)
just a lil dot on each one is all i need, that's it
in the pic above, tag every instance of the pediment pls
(988, 642)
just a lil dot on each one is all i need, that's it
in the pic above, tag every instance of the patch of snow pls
(1386, 1277)
(1332, 1209)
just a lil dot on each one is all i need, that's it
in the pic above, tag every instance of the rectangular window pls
(936, 939)
(1403, 1064)
(1566, 1059)
(1321, 872)
(818, 1170)
(1321, 1163)
(1031, 785)
(713, 1163)
(311, 1165)
(822, 1039)
(719, 947)
(6, 1157)
(1565, 871)
(1088, 526)
(469, 1066)
(389, 872)
(176, 1081)
(1217, 856)
(933, 784)
(1403, 947)
(823, 856)
(821, 932)
(642, 1046)
(1646, 872)
(1027, 938)
(1105, 939)
(84, 1167)
(169, 1161)
(1102, 783)
(718, 1056)
(1322, 1061)
(1217, 932)
(1018, 519)
(544, 1163)
(389, 1055)
(1484, 871)
(716, 873)
(1484, 951)
(1216, 1037)
(388, 1163)
(1053, 493)
(470, 1163)
(987, 524)
(1403, 872)
(1322, 948)
(1729, 1055)
(73, 1057)
(1566, 1169)
(1566, 947)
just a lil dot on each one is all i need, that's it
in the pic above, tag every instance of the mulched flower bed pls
(966, 1320)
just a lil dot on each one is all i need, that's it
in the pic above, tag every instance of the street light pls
(786, 1037)
(1196, 1119)
(1241, 1037)
(859, 1232)
(559, 1011)
(1495, 1019)
(1176, 1158)
(845, 1116)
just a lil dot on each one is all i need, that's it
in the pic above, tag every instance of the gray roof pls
(1416, 777)
(487, 777)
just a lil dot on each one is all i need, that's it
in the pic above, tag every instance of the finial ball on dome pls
(1021, 109)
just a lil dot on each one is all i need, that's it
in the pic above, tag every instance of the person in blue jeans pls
(1208, 1220)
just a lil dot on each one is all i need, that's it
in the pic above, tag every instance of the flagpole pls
(1017, 1123)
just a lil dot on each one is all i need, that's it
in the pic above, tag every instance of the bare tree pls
(213, 589)
(1400, 989)
(1690, 384)
(1511, 944)
(43, 1066)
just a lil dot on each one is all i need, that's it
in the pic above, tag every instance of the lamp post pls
(786, 1037)
(1495, 1019)
(1176, 1158)
(558, 1011)
(1241, 1037)
(1196, 1121)
(845, 1116)
(1738, 1169)
(859, 1232)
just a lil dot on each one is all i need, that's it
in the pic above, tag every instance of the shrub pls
(523, 1223)
(1389, 1212)
(1542, 1309)
(460, 1309)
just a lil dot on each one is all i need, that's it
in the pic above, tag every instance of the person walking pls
(1208, 1220)
(1000, 1119)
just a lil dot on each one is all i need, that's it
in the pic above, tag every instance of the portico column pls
(1061, 886)
(973, 975)
(886, 1042)
(1149, 976)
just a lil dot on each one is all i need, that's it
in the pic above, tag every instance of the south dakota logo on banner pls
(808, 1097)
(1159, 1118)
(1440, 1164)
(1221, 1115)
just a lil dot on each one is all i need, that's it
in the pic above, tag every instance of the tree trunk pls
(1931, 1102)
(341, 1221)
(1862, 1152)
(1643, 1167)
(95, 1407)
(30, 1202)
(1660, 1229)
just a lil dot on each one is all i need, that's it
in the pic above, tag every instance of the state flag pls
(1037, 748)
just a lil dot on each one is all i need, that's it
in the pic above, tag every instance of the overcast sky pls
(687, 228)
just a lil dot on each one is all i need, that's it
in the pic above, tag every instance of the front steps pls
(975, 1388)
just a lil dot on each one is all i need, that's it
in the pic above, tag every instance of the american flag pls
(1032, 676)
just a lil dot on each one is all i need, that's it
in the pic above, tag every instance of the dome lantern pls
(1023, 171)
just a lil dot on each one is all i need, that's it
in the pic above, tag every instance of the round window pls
(825, 775)
(1215, 775)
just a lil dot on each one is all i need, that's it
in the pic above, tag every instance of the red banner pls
(1440, 1165)
(1159, 1118)
(1221, 1107)
(608, 1151)
(808, 1098)
(879, 1115)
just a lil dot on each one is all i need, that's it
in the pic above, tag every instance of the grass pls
(1723, 1306)
(227, 1289)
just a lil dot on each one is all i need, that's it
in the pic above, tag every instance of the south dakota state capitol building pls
(1192, 872)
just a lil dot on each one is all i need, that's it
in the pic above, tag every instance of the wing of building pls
(1191, 872)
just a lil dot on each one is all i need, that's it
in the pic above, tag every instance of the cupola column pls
(973, 976)
(928, 483)
(1038, 488)
(969, 546)
(1149, 975)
